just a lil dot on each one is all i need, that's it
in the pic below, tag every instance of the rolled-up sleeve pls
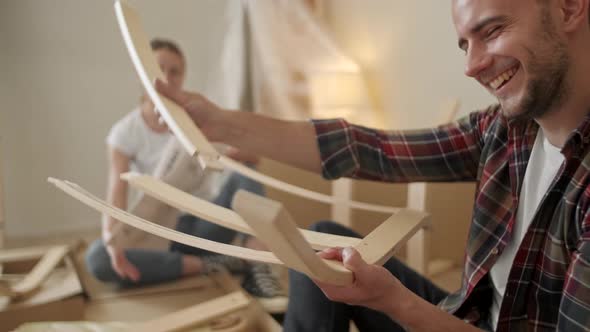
(445, 153)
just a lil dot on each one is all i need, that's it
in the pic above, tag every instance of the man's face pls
(514, 50)
(172, 66)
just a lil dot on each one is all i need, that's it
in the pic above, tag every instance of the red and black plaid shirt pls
(549, 283)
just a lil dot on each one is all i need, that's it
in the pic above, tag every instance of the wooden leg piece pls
(274, 226)
(50, 259)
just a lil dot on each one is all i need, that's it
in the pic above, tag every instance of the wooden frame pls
(276, 228)
(183, 127)
(50, 259)
(375, 248)
(218, 214)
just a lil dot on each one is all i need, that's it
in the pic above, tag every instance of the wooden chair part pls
(183, 127)
(50, 259)
(302, 257)
(195, 315)
(148, 70)
(96, 203)
(236, 311)
(218, 214)
(274, 226)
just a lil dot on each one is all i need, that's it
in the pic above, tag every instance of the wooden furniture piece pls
(274, 226)
(184, 128)
(234, 312)
(220, 215)
(375, 247)
(50, 258)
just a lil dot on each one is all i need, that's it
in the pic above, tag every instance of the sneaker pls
(264, 285)
(232, 264)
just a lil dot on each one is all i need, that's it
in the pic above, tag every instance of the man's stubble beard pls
(550, 65)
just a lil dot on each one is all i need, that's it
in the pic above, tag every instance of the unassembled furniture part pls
(234, 312)
(184, 128)
(274, 226)
(50, 258)
(220, 215)
(376, 247)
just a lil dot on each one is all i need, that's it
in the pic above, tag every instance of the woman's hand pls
(122, 266)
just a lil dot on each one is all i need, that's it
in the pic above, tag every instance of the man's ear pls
(574, 13)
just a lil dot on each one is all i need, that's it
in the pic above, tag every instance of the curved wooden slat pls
(96, 203)
(218, 214)
(183, 127)
(298, 191)
(274, 226)
(148, 70)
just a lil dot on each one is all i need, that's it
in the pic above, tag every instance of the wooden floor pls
(449, 281)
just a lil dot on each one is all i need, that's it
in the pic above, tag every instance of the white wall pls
(65, 77)
(410, 54)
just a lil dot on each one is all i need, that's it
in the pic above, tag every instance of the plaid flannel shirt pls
(549, 283)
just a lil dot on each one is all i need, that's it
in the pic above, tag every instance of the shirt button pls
(495, 251)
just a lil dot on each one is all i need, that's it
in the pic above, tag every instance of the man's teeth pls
(496, 83)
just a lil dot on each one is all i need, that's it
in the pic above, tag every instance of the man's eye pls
(493, 32)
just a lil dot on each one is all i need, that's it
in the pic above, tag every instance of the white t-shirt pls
(132, 136)
(542, 168)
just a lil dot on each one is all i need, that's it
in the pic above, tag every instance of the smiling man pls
(527, 261)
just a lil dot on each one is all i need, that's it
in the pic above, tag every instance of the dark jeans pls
(159, 266)
(310, 311)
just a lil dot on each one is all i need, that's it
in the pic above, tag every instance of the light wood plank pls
(50, 259)
(96, 203)
(272, 225)
(195, 315)
(148, 70)
(218, 214)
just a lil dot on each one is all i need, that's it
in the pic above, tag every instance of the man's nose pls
(477, 61)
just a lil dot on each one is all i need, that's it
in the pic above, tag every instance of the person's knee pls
(98, 263)
(300, 281)
(331, 227)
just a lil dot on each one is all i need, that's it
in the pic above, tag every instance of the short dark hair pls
(161, 43)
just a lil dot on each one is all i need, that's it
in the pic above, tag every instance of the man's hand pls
(122, 266)
(202, 111)
(373, 287)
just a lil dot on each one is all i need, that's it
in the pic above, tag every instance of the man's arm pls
(376, 288)
(290, 142)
